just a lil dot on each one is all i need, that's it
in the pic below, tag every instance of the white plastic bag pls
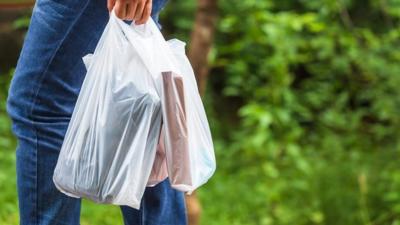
(110, 144)
(195, 143)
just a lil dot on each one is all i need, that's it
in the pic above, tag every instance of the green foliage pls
(22, 22)
(315, 139)
(8, 196)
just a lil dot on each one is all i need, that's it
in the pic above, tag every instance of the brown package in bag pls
(159, 171)
(175, 131)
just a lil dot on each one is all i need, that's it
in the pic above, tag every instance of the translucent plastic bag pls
(188, 142)
(110, 144)
(110, 148)
(187, 145)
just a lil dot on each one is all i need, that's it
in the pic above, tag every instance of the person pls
(42, 96)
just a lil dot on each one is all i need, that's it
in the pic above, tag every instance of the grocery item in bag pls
(188, 142)
(159, 170)
(174, 108)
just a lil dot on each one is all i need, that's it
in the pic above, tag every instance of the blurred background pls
(303, 98)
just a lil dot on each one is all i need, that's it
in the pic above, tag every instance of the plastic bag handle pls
(144, 30)
(149, 30)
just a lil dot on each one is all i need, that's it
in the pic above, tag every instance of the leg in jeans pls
(41, 99)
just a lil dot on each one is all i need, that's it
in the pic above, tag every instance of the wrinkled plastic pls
(110, 145)
(188, 142)
(128, 130)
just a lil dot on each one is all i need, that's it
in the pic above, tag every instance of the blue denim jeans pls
(41, 100)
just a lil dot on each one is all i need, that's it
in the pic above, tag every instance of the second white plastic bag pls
(188, 142)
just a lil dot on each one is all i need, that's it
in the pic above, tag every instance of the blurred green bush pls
(303, 100)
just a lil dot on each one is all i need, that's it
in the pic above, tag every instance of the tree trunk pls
(200, 45)
(202, 38)
(11, 38)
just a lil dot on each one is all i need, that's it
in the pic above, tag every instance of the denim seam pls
(36, 177)
(142, 212)
(42, 76)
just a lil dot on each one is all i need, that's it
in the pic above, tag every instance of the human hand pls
(137, 10)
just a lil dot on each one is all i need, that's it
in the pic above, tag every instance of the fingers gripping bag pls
(110, 144)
